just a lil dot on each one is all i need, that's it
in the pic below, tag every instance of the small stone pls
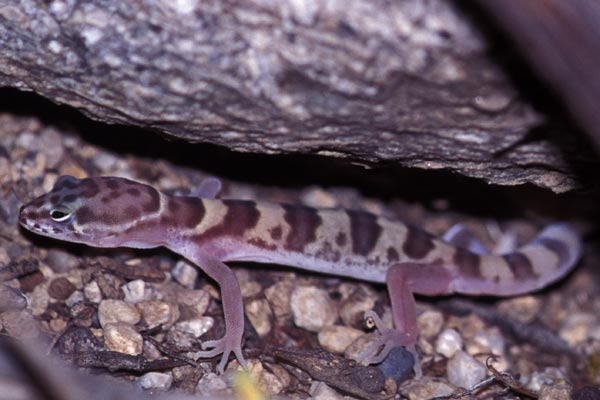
(58, 325)
(92, 292)
(193, 303)
(114, 311)
(39, 299)
(185, 273)
(267, 382)
(279, 297)
(82, 313)
(160, 381)
(196, 327)
(60, 261)
(19, 324)
(60, 288)
(29, 282)
(398, 365)
(427, 388)
(312, 308)
(321, 391)
(157, 313)
(250, 288)
(11, 299)
(353, 308)
(110, 285)
(430, 323)
(558, 391)
(260, 315)
(549, 376)
(524, 308)
(74, 298)
(465, 371)
(337, 338)
(183, 341)
(448, 343)
(210, 384)
(135, 291)
(486, 341)
(576, 327)
(123, 338)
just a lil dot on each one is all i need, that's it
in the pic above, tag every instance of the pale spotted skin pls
(115, 212)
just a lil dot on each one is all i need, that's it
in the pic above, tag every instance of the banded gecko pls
(115, 212)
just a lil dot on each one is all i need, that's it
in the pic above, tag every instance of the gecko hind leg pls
(403, 280)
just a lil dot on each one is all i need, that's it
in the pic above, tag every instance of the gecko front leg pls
(233, 307)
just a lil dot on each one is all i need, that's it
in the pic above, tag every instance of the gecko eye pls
(60, 215)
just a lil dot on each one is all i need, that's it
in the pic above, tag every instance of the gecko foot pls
(388, 339)
(226, 345)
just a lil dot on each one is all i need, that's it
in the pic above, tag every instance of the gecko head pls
(99, 211)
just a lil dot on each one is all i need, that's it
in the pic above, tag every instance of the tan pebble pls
(19, 324)
(58, 325)
(123, 338)
(524, 308)
(193, 303)
(113, 311)
(312, 308)
(427, 388)
(352, 310)
(157, 313)
(337, 338)
(39, 299)
(279, 297)
(260, 315)
(430, 323)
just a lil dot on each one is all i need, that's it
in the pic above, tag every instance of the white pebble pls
(92, 292)
(196, 327)
(156, 380)
(135, 291)
(448, 343)
(210, 384)
(548, 376)
(465, 371)
(74, 298)
(312, 308)
(486, 341)
(185, 273)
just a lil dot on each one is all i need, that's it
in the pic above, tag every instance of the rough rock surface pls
(407, 82)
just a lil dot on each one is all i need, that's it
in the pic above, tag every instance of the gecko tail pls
(548, 257)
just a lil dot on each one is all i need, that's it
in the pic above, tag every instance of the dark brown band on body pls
(241, 216)
(520, 265)
(418, 243)
(557, 247)
(468, 263)
(364, 231)
(185, 212)
(303, 222)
